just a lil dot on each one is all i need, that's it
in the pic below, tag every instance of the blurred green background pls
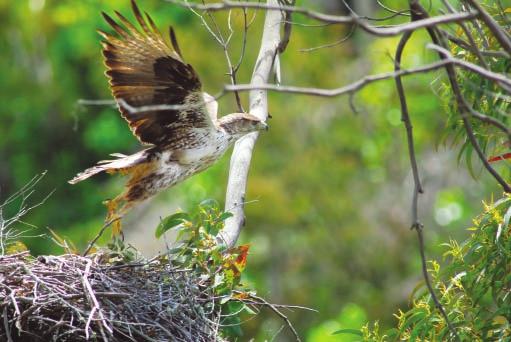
(329, 190)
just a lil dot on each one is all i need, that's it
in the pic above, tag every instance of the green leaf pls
(209, 203)
(348, 331)
(170, 222)
(225, 216)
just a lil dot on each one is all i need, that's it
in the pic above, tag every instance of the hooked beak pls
(263, 126)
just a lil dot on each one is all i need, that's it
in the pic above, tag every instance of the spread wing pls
(145, 71)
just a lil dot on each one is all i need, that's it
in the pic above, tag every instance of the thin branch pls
(393, 15)
(416, 224)
(244, 41)
(405, 117)
(224, 43)
(294, 23)
(347, 89)
(449, 59)
(87, 102)
(382, 32)
(6, 325)
(333, 44)
(388, 9)
(100, 233)
(280, 314)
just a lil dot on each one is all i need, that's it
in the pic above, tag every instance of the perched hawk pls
(185, 137)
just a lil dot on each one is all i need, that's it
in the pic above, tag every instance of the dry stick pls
(225, 47)
(232, 69)
(280, 314)
(101, 231)
(89, 294)
(242, 153)
(416, 224)
(6, 325)
(224, 43)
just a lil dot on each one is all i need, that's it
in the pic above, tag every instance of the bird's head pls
(239, 124)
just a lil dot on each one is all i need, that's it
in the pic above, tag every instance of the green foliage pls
(198, 249)
(483, 95)
(473, 287)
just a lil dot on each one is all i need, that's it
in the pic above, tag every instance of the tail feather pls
(123, 162)
(91, 171)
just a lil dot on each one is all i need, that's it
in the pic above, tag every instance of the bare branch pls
(355, 86)
(274, 308)
(224, 43)
(335, 19)
(393, 11)
(333, 44)
(20, 199)
(416, 224)
(348, 89)
(99, 234)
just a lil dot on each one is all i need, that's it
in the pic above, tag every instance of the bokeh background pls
(328, 210)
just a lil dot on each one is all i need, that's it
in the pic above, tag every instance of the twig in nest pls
(100, 233)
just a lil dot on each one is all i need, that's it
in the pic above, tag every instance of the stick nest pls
(75, 298)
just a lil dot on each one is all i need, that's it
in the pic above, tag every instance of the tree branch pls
(416, 224)
(335, 19)
(242, 153)
(357, 85)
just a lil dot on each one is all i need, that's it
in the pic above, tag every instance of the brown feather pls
(143, 71)
(173, 40)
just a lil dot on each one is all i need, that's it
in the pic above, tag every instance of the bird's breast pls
(208, 149)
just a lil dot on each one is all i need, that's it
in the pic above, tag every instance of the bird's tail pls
(91, 171)
(122, 162)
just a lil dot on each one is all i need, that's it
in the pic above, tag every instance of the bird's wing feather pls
(146, 73)
(211, 106)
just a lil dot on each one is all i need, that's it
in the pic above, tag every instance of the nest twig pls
(75, 298)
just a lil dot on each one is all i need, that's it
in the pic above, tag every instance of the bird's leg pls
(114, 214)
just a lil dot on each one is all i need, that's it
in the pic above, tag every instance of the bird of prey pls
(161, 98)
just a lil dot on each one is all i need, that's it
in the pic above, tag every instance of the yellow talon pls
(114, 216)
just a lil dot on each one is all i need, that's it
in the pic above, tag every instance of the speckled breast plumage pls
(172, 166)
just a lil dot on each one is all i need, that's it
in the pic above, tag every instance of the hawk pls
(161, 98)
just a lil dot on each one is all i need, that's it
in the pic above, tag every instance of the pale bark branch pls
(242, 153)
(336, 19)
(361, 83)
